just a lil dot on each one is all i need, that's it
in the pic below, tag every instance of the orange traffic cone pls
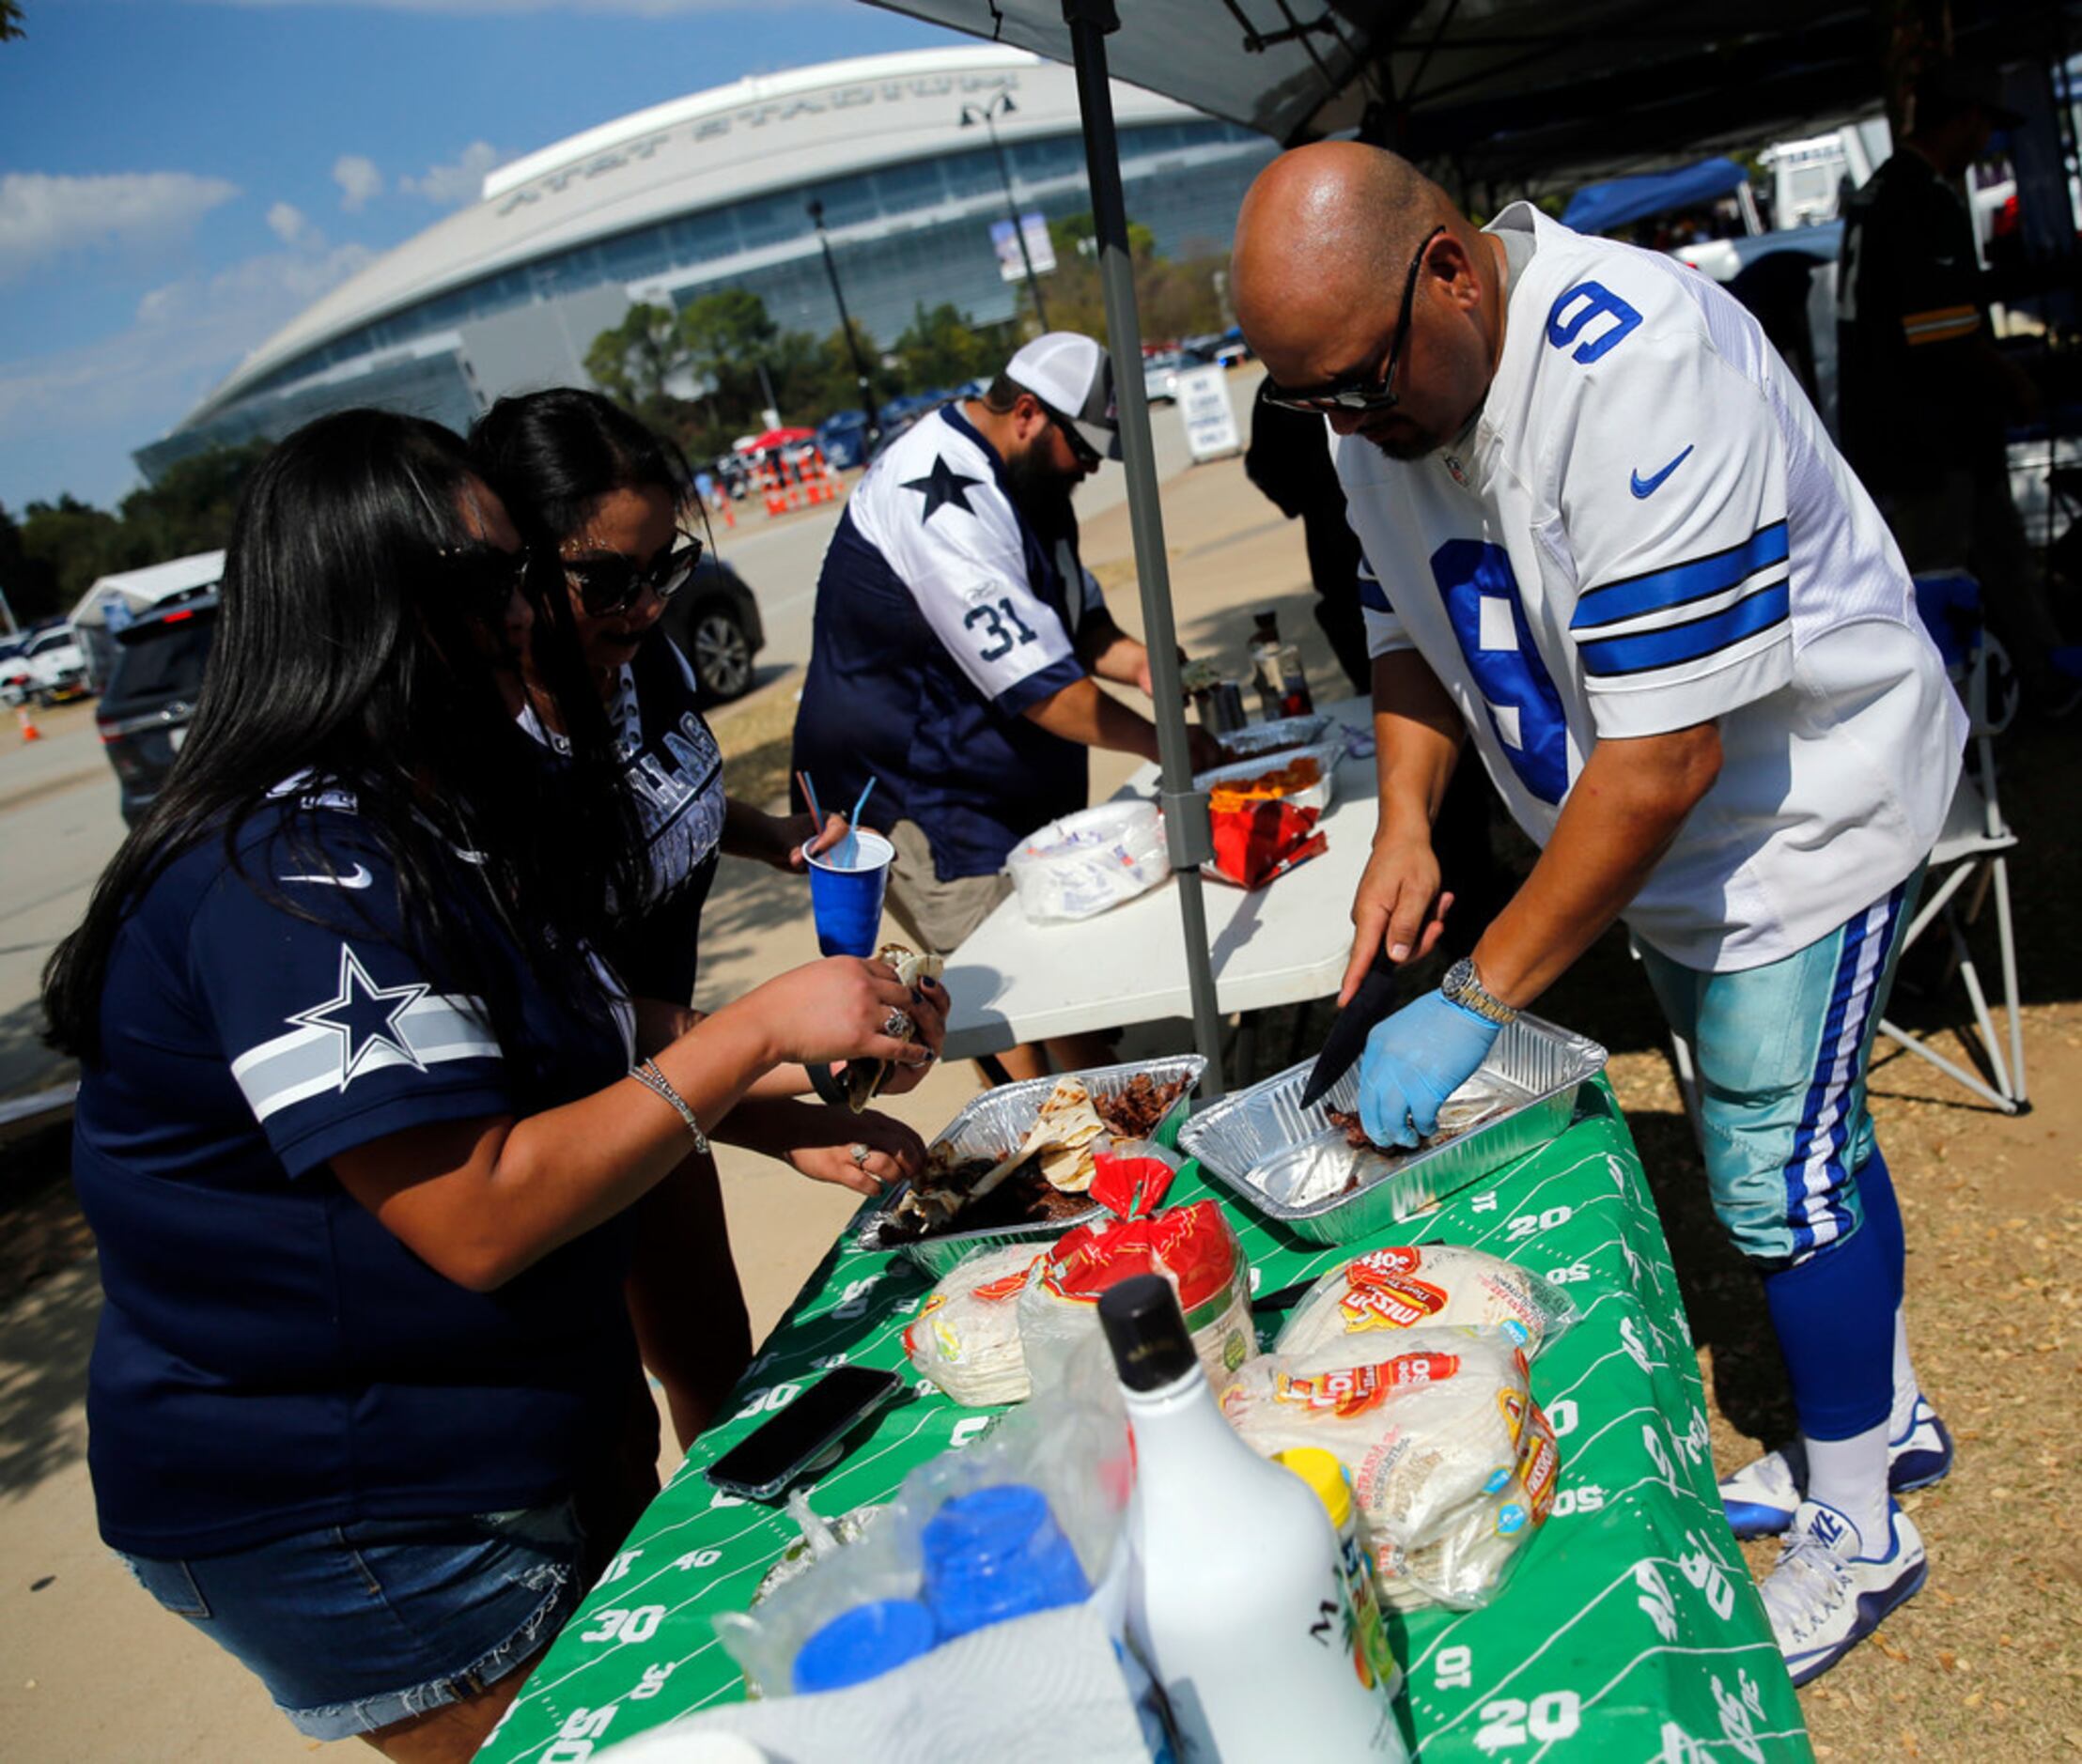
(29, 731)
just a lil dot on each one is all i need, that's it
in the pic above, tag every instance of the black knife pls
(1375, 998)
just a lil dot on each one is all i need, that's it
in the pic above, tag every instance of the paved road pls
(781, 560)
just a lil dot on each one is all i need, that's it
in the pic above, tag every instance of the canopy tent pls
(1514, 88)
(113, 600)
(1600, 207)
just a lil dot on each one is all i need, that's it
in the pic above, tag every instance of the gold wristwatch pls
(1464, 987)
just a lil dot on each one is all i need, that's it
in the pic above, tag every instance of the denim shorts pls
(357, 1626)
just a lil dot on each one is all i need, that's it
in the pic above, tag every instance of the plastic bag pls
(967, 1337)
(1070, 1445)
(1131, 1177)
(1422, 1287)
(1193, 1247)
(1262, 841)
(1452, 1464)
(1079, 865)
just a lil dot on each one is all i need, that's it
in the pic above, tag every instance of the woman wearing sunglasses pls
(361, 1123)
(610, 501)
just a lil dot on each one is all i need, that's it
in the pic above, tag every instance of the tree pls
(29, 582)
(942, 347)
(641, 361)
(189, 508)
(76, 542)
(10, 21)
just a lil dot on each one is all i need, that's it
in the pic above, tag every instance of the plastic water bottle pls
(1238, 1601)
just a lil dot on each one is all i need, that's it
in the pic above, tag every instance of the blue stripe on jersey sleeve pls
(1373, 595)
(1690, 641)
(1661, 590)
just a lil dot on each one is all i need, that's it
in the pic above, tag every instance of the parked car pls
(151, 692)
(842, 436)
(716, 623)
(1161, 370)
(10, 653)
(48, 668)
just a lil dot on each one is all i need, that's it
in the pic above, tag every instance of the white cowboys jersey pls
(1647, 528)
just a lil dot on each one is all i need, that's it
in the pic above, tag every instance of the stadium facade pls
(711, 192)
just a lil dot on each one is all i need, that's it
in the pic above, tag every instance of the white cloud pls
(359, 180)
(287, 222)
(98, 401)
(450, 186)
(44, 218)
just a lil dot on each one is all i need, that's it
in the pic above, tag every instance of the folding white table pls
(1015, 982)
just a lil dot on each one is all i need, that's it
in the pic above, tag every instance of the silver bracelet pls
(658, 1085)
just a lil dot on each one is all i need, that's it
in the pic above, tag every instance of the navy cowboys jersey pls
(943, 615)
(270, 1358)
(1645, 529)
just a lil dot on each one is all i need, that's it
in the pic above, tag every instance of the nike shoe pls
(1824, 1597)
(1759, 1497)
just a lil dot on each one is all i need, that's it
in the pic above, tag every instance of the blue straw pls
(850, 848)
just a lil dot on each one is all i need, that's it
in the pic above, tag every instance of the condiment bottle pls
(1372, 1653)
(1294, 697)
(1238, 1603)
(1265, 662)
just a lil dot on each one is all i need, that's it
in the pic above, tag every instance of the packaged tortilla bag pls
(1191, 1246)
(1442, 1439)
(967, 1337)
(1434, 1284)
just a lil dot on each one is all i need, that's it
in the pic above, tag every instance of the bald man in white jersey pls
(1608, 542)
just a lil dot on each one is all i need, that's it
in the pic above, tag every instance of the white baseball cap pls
(1074, 378)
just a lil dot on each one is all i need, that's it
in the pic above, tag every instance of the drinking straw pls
(809, 795)
(848, 849)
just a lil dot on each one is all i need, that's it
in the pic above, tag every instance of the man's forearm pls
(1122, 660)
(1417, 737)
(1081, 713)
(1619, 820)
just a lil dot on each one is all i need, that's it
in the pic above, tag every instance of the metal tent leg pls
(1952, 1069)
(2006, 936)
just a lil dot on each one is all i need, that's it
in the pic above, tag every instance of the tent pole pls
(1186, 825)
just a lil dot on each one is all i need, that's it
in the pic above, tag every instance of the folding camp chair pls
(1972, 855)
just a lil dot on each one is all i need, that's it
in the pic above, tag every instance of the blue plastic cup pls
(862, 1643)
(997, 1553)
(846, 902)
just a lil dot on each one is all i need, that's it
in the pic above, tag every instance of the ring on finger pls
(898, 1024)
(859, 1154)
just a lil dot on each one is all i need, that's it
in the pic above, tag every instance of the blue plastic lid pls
(862, 1643)
(998, 1552)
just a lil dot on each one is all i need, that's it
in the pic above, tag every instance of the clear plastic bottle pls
(1264, 663)
(1238, 1600)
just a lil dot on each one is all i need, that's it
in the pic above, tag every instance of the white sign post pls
(1210, 419)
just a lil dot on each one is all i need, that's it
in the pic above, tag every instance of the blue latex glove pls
(1414, 1061)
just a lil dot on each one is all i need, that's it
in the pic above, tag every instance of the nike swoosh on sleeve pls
(357, 877)
(1648, 486)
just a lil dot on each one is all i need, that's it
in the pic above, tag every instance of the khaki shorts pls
(939, 916)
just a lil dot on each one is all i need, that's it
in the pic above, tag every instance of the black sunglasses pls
(485, 578)
(1082, 450)
(613, 581)
(1358, 392)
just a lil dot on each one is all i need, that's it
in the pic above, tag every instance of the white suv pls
(50, 666)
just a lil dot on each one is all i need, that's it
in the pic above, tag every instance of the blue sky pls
(179, 178)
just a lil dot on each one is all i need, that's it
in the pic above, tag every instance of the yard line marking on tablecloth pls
(609, 1649)
(1708, 1747)
(844, 1470)
(1659, 1648)
(1623, 1577)
(1554, 1396)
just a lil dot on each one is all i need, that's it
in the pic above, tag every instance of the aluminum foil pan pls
(1318, 796)
(1256, 740)
(1293, 1166)
(996, 1122)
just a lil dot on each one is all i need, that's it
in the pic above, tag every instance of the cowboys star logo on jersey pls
(363, 1027)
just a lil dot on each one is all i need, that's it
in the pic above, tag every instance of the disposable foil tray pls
(1257, 740)
(1293, 1166)
(992, 1124)
(1319, 794)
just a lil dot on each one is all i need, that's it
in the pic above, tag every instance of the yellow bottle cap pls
(1323, 1473)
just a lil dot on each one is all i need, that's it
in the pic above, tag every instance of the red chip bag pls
(1265, 840)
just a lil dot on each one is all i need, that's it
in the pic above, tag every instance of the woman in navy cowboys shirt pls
(589, 485)
(358, 1128)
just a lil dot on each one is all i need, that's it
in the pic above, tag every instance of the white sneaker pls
(1761, 1496)
(1824, 1597)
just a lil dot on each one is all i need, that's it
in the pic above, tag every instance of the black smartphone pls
(765, 1462)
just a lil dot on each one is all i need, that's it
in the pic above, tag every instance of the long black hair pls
(553, 455)
(339, 656)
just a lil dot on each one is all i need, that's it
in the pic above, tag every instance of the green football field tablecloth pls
(1628, 1632)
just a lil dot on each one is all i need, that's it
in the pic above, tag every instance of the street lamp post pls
(987, 115)
(868, 407)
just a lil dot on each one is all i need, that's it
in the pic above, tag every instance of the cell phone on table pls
(776, 1453)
